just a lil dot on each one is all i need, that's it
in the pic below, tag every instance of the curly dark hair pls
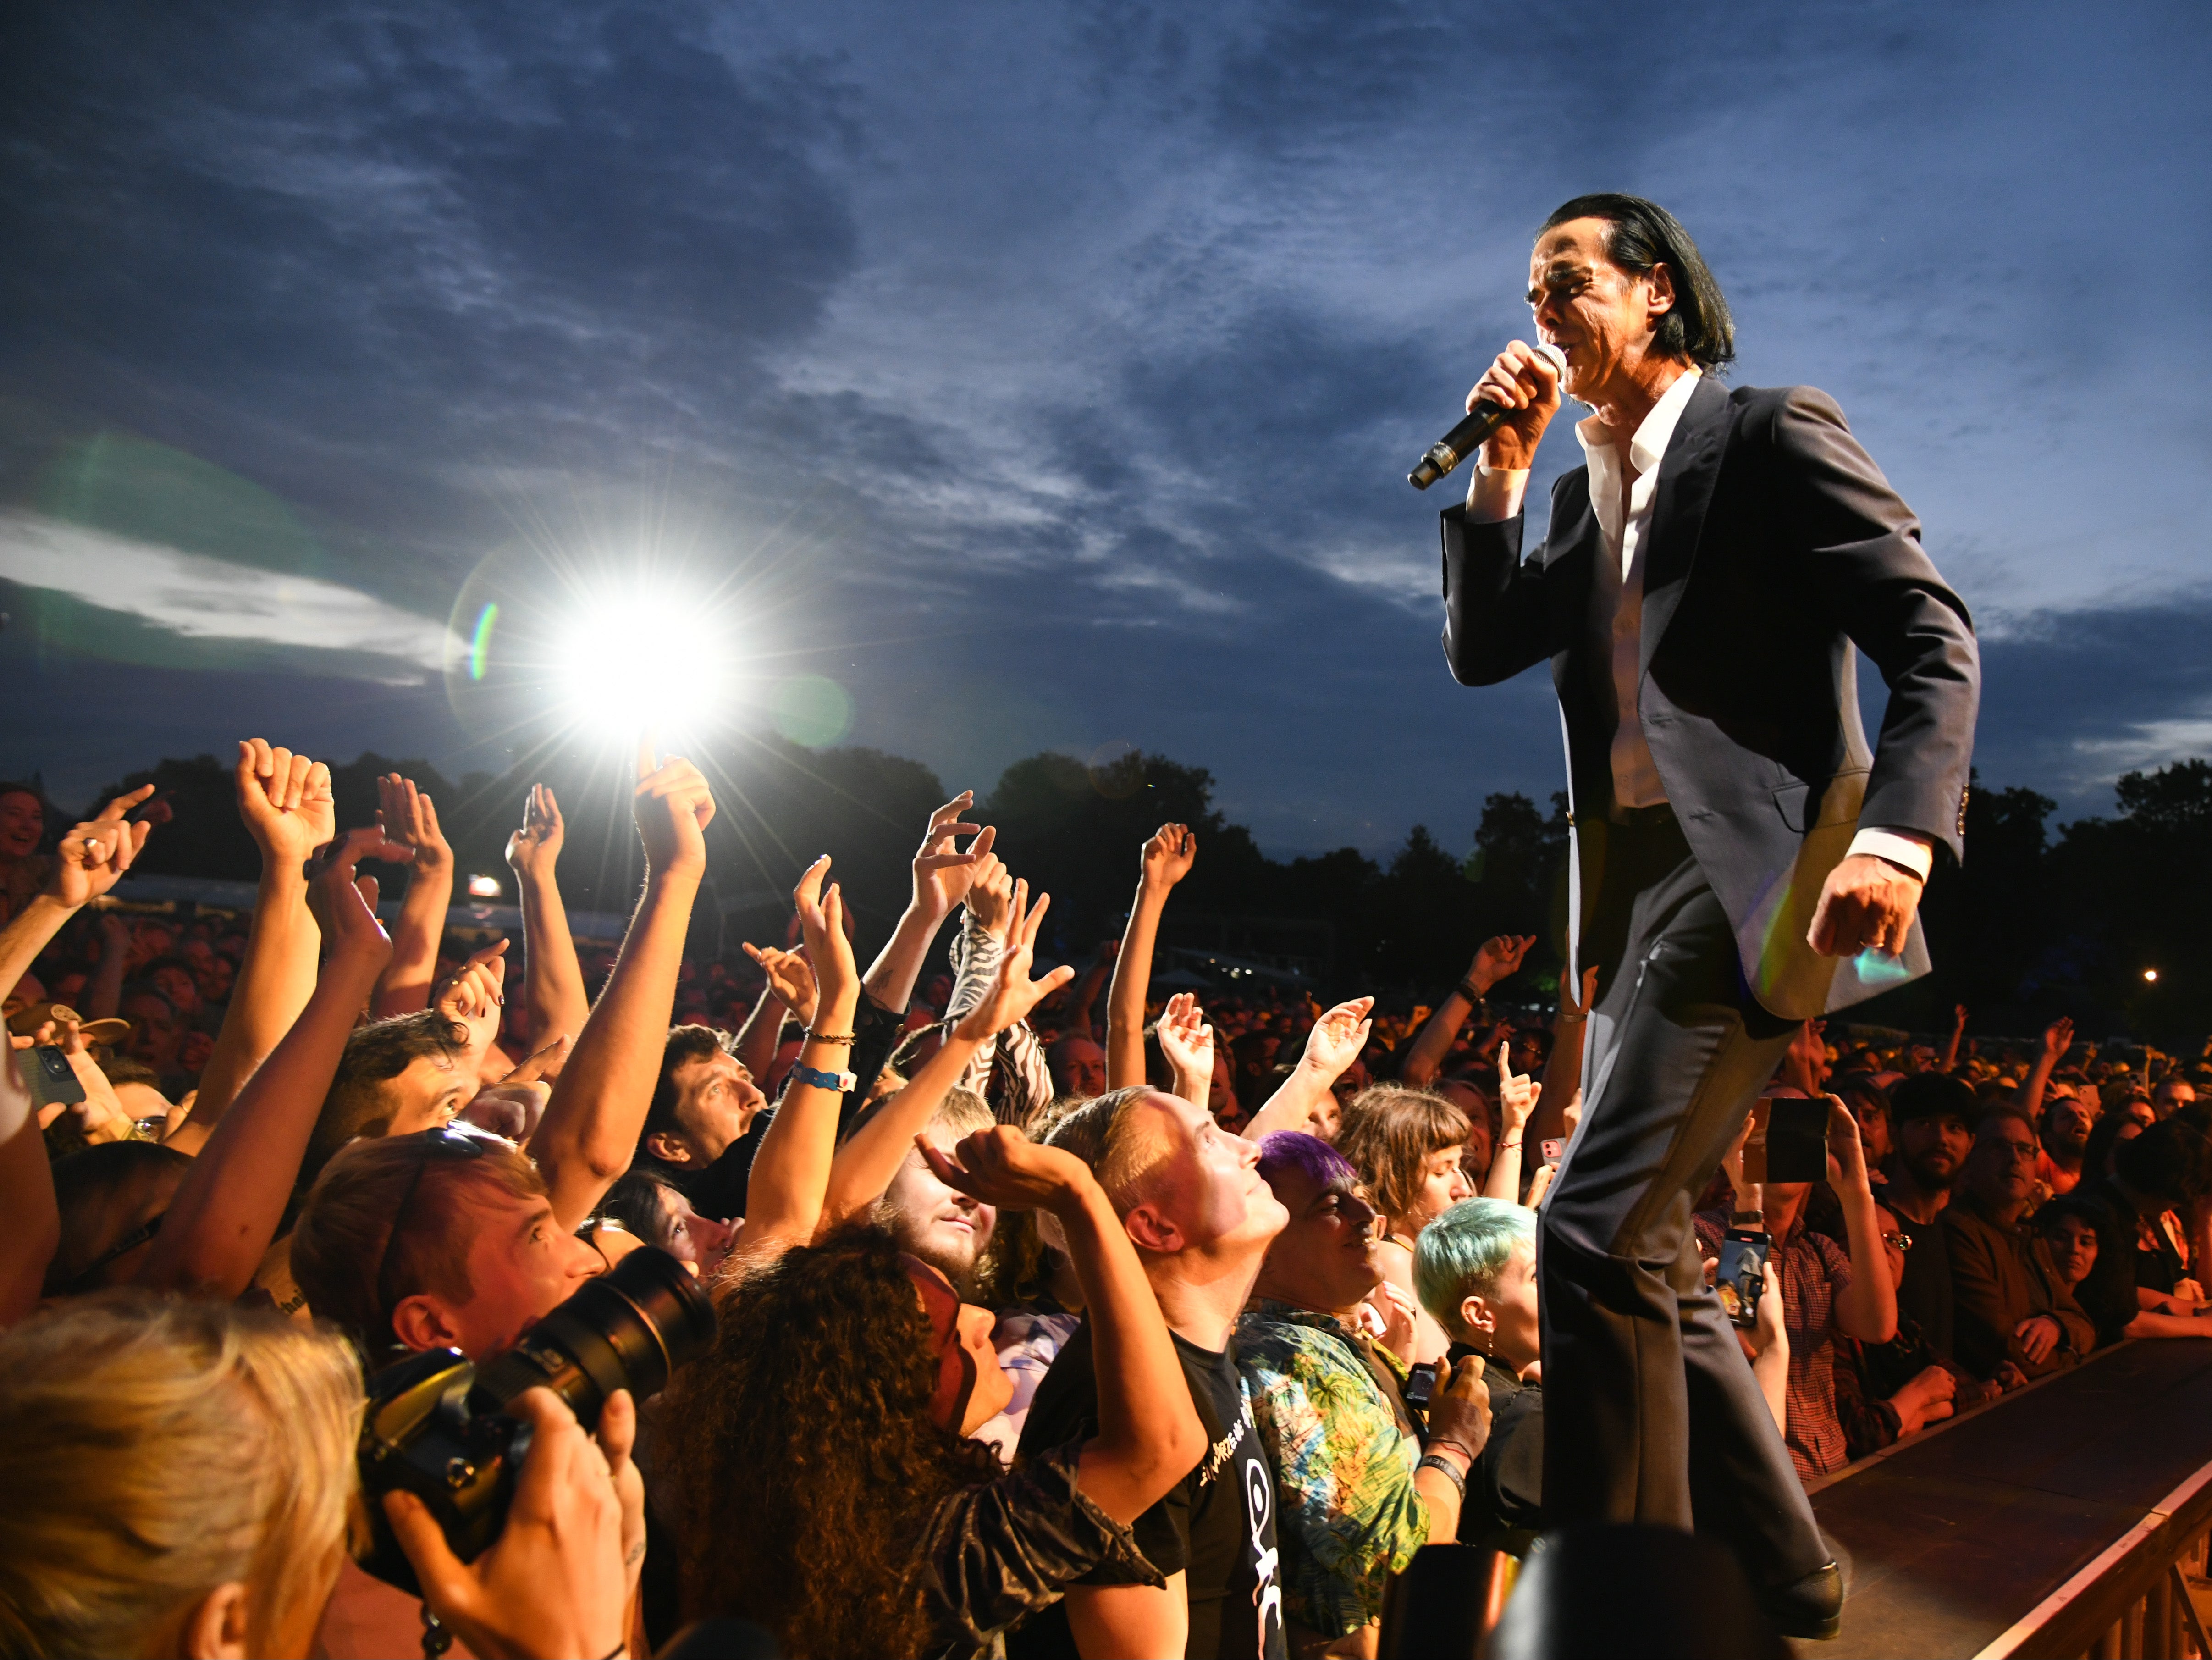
(809, 1418)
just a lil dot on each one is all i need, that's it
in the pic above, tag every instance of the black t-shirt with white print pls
(1217, 1525)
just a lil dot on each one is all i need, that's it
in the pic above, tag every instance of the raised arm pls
(1334, 1044)
(1166, 860)
(1149, 1436)
(1188, 1043)
(1866, 1310)
(285, 802)
(90, 859)
(1563, 1072)
(1498, 958)
(411, 822)
(553, 978)
(873, 1153)
(589, 1133)
(1085, 997)
(790, 991)
(941, 875)
(1517, 1096)
(790, 1179)
(221, 1222)
(2057, 1039)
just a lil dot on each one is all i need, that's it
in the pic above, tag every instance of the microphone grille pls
(1545, 349)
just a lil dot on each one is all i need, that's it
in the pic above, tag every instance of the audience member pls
(1475, 1268)
(2011, 1306)
(1828, 1296)
(2135, 1280)
(1932, 1119)
(1358, 1492)
(1405, 1144)
(1200, 1216)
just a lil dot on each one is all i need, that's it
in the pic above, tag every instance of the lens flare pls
(480, 640)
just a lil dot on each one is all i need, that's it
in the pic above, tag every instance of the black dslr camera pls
(437, 1425)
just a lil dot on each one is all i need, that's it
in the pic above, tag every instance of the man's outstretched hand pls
(1867, 904)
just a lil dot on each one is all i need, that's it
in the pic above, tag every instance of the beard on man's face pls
(1931, 1175)
(952, 1251)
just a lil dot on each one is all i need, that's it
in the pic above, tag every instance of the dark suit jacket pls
(1774, 545)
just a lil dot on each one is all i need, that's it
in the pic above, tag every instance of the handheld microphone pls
(1463, 439)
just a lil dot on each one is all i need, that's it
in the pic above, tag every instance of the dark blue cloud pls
(1046, 376)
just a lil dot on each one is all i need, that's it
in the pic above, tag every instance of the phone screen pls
(1796, 1140)
(1741, 1276)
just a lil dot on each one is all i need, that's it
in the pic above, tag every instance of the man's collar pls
(1647, 448)
(1272, 1308)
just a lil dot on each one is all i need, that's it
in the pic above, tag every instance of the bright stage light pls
(483, 887)
(2151, 975)
(647, 660)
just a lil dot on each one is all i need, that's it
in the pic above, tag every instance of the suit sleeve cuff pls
(1909, 848)
(1494, 497)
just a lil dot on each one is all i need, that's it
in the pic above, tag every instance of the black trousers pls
(1651, 1413)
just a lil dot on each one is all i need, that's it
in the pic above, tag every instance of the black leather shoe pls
(1812, 1606)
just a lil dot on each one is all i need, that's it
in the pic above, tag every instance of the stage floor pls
(1962, 1533)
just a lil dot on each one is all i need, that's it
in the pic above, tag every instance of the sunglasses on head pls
(87, 1278)
(448, 1144)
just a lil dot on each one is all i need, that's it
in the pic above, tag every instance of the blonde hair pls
(156, 1449)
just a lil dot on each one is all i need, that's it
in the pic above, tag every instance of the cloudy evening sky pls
(1046, 375)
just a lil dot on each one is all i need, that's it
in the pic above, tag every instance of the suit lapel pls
(1678, 513)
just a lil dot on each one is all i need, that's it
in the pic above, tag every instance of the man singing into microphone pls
(1742, 861)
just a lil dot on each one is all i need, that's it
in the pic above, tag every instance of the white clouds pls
(201, 598)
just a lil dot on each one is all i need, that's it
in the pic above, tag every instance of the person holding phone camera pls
(1826, 1293)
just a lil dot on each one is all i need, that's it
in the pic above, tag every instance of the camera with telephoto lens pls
(438, 1426)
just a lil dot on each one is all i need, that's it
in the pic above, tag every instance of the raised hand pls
(101, 1115)
(1847, 1169)
(1013, 994)
(94, 855)
(1392, 1318)
(475, 998)
(1573, 1012)
(410, 822)
(2057, 1039)
(672, 807)
(941, 872)
(822, 921)
(991, 890)
(790, 978)
(344, 905)
(533, 850)
(1186, 1038)
(285, 801)
(1499, 958)
(1004, 1168)
(1168, 855)
(1517, 1092)
(1337, 1038)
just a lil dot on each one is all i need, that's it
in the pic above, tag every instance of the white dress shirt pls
(1621, 496)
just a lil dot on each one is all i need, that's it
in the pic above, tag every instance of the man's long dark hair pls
(1643, 235)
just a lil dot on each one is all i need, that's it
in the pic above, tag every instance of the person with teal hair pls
(1475, 1270)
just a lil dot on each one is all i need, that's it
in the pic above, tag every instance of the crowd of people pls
(1053, 1315)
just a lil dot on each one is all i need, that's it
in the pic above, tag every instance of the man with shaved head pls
(1201, 1216)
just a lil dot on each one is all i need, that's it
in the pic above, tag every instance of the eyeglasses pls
(1902, 1242)
(440, 1143)
(87, 1278)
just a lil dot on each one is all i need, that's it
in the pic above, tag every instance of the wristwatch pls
(842, 1082)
